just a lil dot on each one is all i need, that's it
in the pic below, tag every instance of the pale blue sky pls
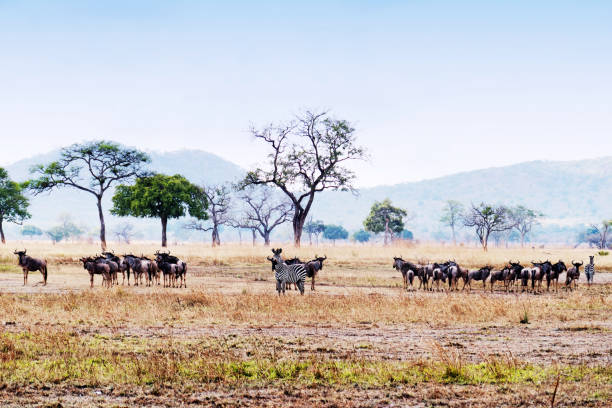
(433, 87)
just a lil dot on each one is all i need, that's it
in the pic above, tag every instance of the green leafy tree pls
(384, 217)
(56, 234)
(334, 232)
(307, 156)
(31, 231)
(13, 204)
(361, 236)
(160, 196)
(315, 228)
(92, 167)
(523, 219)
(407, 235)
(486, 219)
(452, 215)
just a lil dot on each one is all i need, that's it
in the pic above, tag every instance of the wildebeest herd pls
(109, 265)
(512, 275)
(431, 276)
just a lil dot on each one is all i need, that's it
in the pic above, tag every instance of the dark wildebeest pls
(407, 270)
(454, 273)
(539, 270)
(481, 274)
(439, 273)
(121, 263)
(553, 275)
(498, 276)
(97, 268)
(29, 264)
(572, 275)
(313, 267)
(513, 273)
(173, 269)
(113, 266)
(137, 266)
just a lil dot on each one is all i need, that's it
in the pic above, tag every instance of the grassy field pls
(358, 340)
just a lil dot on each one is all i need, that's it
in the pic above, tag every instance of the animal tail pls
(45, 273)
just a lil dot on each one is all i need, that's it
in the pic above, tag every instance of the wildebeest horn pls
(269, 259)
(324, 256)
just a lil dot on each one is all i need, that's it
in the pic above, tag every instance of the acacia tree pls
(308, 155)
(452, 214)
(13, 204)
(219, 201)
(92, 167)
(523, 219)
(384, 217)
(263, 214)
(314, 228)
(160, 196)
(486, 219)
(334, 232)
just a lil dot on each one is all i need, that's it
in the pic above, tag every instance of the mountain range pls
(568, 193)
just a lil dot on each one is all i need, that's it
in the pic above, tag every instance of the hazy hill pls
(198, 166)
(568, 193)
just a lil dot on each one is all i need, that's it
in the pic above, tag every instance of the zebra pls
(285, 274)
(589, 270)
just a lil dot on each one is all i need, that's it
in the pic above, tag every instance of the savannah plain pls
(359, 340)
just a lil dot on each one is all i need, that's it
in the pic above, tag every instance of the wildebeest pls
(481, 274)
(514, 274)
(173, 269)
(498, 276)
(122, 265)
(97, 268)
(538, 272)
(572, 275)
(407, 270)
(454, 273)
(138, 267)
(553, 276)
(313, 267)
(439, 273)
(29, 264)
(113, 267)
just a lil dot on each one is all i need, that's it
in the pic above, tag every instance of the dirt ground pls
(567, 343)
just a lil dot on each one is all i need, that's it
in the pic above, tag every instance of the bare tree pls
(219, 206)
(307, 156)
(602, 231)
(452, 214)
(486, 219)
(125, 232)
(263, 213)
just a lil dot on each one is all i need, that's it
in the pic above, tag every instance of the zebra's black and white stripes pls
(589, 270)
(286, 274)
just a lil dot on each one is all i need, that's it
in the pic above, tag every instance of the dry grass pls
(350, 256)
(358, 340)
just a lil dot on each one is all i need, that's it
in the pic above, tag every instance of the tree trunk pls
(298, 226)
(522, 240)
(485, 242)
(215, 236)
(386, 230)
(2, 232)
(102, 225)
(267, 238)
(164, 222)
(254, 236)
(454, 237)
